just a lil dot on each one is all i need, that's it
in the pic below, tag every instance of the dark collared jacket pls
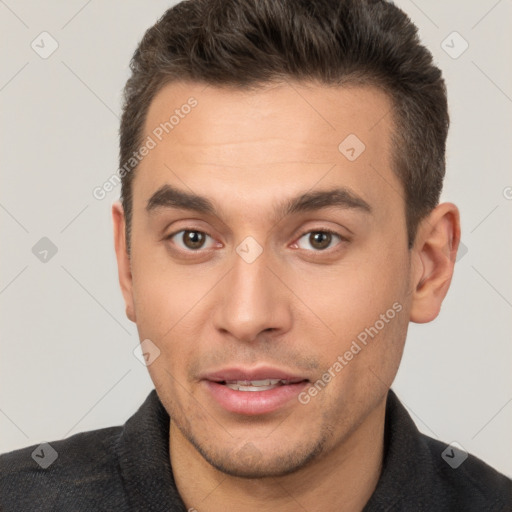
(128, 469)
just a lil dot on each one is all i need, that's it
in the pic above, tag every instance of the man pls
(280, 226)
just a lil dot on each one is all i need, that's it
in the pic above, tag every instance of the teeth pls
(249, 388)
(254, 385)
(266, 382)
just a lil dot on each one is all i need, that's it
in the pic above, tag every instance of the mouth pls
(253, 392)
(257, 385)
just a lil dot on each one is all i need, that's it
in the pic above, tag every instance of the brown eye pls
(318, 240)
(193, 239)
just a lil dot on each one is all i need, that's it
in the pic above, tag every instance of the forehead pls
(267, 142)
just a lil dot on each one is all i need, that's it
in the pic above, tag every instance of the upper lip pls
(251, 374)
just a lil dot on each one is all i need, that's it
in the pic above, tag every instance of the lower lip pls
(253, 402)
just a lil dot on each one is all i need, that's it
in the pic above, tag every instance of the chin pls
(248, 461)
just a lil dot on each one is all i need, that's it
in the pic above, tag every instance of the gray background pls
(67, 362)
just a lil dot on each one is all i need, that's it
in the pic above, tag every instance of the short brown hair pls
(250, 43)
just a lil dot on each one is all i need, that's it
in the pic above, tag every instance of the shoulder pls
(423, 474)
(41, 476)
(467, 480)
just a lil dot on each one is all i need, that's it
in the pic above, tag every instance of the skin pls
(296, 307)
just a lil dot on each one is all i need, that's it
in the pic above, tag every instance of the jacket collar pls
(143, 454)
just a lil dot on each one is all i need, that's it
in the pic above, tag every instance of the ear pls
(434, 253)
(123, 261)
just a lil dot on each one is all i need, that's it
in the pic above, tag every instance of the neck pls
(344, 478)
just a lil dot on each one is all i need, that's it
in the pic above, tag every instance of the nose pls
(252, 300)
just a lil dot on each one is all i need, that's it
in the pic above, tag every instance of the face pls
(270, 268)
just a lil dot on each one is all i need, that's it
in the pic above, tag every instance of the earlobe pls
(434, 252)
(123, 261)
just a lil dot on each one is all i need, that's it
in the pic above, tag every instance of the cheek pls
(350, 296)
(362, 300)
(165, 294)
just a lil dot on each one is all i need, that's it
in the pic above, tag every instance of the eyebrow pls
(169, 197)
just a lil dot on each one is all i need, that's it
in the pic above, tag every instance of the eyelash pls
(192, 230)
(326, 230)
(323, 230)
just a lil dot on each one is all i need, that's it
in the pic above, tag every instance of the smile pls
(255, 385)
